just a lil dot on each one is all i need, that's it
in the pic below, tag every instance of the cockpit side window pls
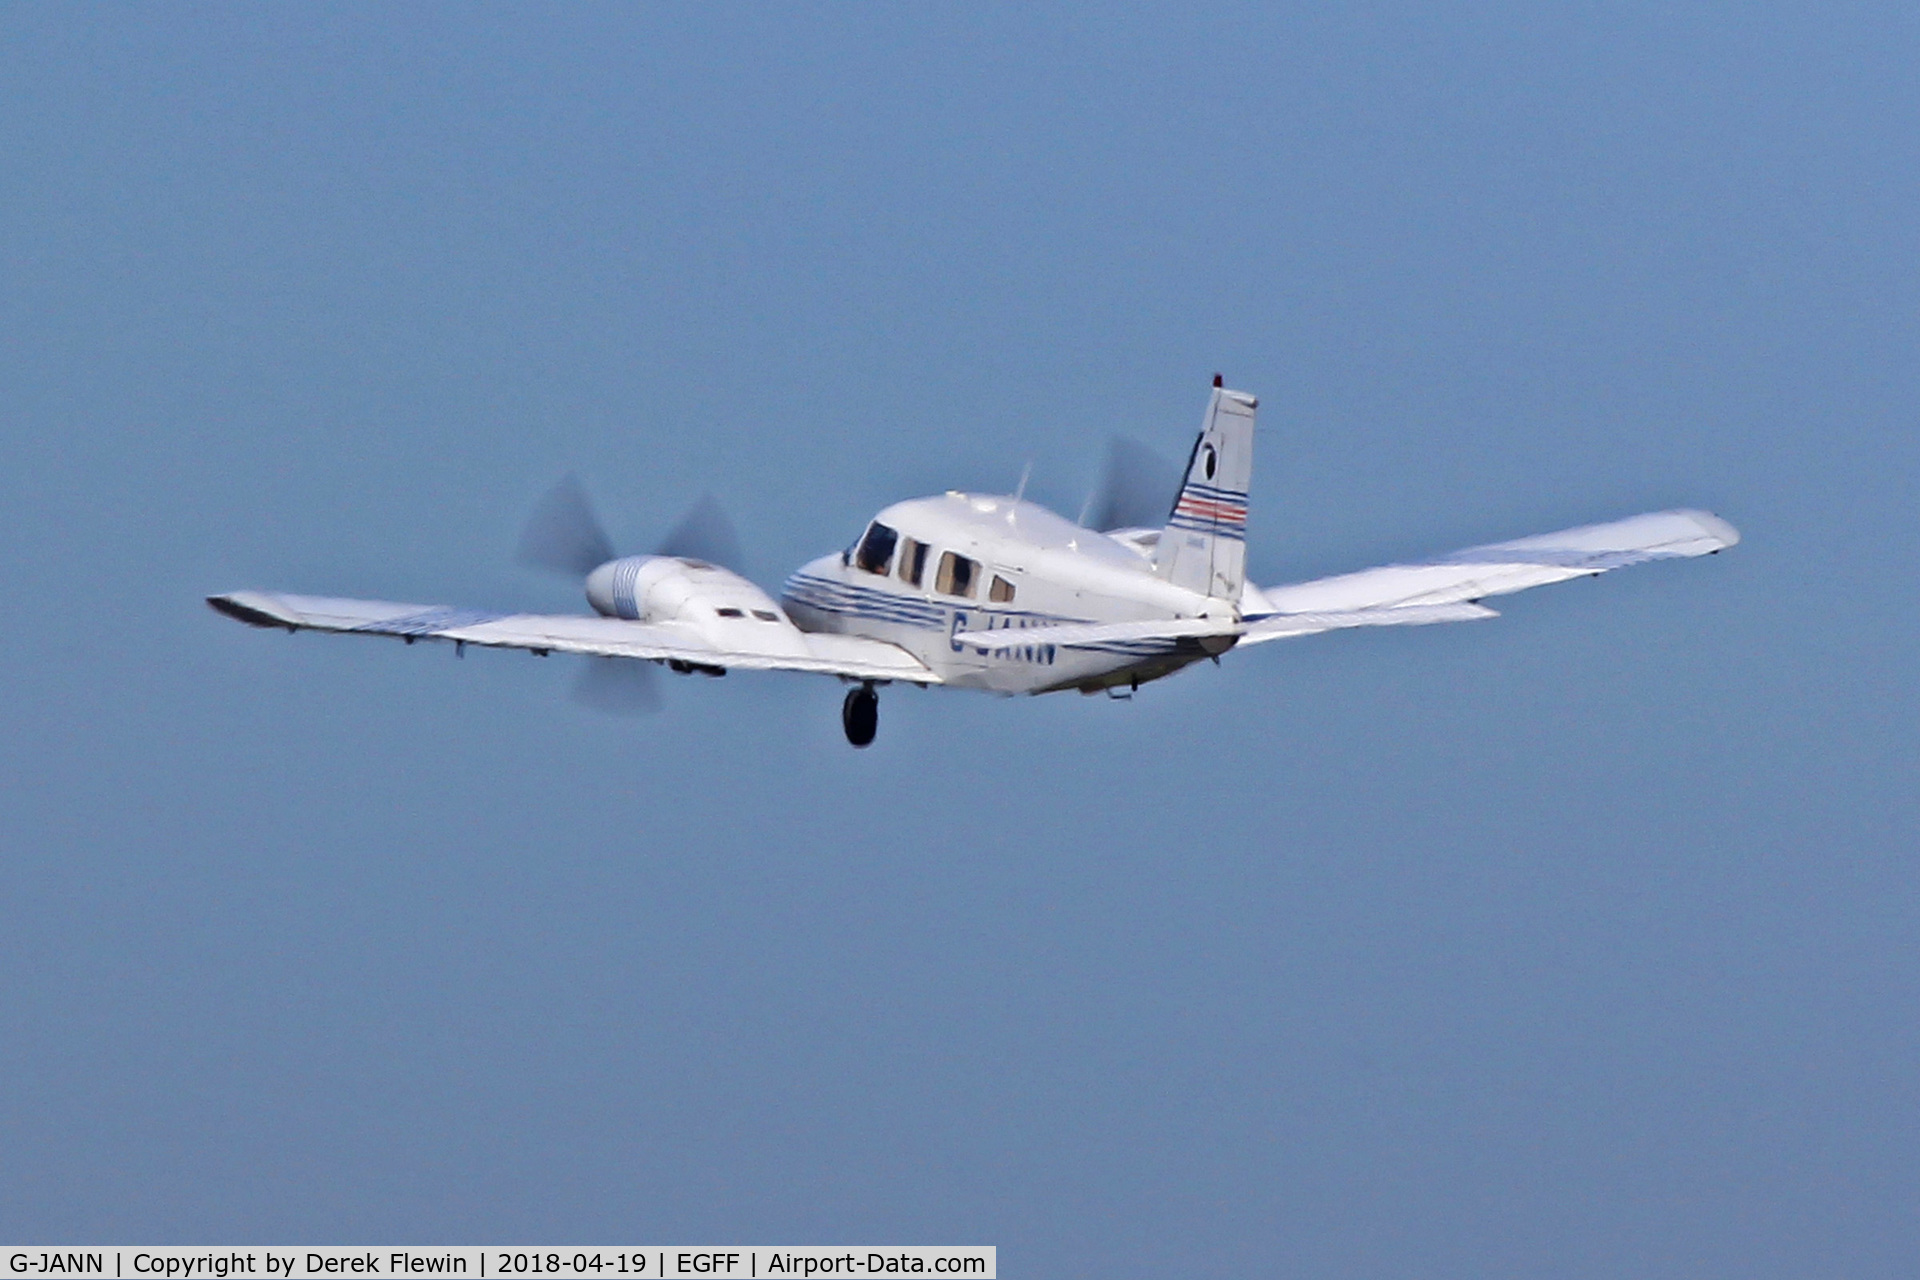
(957, 576)
(875, 553)
(913, 561)
(1001, 592)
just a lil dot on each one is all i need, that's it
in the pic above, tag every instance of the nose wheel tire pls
(860, 715)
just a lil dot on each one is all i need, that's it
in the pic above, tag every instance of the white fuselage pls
(996, 563)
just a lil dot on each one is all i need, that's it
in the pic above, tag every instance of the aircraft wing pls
(1446, 589)
(1503, 567)
(762, 646)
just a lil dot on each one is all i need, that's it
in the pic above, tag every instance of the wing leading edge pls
(761, 646)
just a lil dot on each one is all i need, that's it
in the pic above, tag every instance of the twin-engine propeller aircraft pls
(974, 591)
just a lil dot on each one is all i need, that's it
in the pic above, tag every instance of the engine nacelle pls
(676, 589)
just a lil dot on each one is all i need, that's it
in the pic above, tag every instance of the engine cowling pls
(677, 589)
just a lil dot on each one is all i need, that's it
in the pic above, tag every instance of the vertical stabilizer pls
(1204, 546)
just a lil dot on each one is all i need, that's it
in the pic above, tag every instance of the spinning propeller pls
(1136, 491)
(564, 536)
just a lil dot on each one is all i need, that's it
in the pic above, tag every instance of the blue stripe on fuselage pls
(852, 600)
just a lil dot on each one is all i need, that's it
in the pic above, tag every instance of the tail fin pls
(1204, 546)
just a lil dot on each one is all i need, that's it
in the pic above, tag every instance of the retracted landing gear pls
(860, 715)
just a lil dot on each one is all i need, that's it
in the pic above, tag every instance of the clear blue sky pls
(1576, 943)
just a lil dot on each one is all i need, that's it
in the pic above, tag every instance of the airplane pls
(981, 591)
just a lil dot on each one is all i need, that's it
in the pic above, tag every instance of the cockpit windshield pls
(875, 552)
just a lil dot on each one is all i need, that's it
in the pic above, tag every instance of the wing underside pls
(760, 646)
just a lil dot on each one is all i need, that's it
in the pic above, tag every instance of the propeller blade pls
(1136, 491)
(704, 533)
(563, 535)
(618, 686)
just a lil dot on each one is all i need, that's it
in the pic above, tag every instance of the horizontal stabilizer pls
(1092, 634)
(1280, 626)
(1253, 630)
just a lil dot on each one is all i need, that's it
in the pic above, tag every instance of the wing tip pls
(235, 606)
(1714, 527)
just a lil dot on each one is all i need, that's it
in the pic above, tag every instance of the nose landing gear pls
(860, 715)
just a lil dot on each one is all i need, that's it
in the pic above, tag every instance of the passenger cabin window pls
(1001, 591)
(875, 553)
(957, 576)
(913, 561)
